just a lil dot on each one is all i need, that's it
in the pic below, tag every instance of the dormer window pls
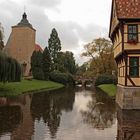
(132, 34)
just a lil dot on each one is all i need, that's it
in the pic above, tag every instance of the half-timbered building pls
(125, 35)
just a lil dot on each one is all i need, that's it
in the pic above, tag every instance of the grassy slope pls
(17, 88)
(110, 89)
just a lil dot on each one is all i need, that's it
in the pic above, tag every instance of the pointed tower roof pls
(24, 21)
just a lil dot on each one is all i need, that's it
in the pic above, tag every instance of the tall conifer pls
(36, 65)
(54, 46)
(46, 61)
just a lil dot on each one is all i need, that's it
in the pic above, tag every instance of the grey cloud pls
(45, 3)
(69, 32)
(42, 25)
(9, 15)
(91, 32)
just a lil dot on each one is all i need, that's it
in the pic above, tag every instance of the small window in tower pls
(133, 33)
(134, 66)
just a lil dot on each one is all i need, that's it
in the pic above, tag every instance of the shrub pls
(38, 73)
(10, 69)
(105, 79)
(36, 65)
(63, 78)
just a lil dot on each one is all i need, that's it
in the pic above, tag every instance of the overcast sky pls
(76, 21)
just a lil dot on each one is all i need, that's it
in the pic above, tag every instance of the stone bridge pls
(84, 81)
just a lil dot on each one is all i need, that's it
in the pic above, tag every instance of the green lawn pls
(110, 89)
(17, 88)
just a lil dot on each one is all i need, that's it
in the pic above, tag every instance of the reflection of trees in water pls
(49, 106)
(128, 124)
(101, 111)
(10, 117)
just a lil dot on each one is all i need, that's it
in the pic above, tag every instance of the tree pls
(54, 46)
(69, 62)
(46, 61)
(36, 65)
(10, 69)
(60, 60)
(101, 53)
(81, 69)
(66, 62)
(1, 37)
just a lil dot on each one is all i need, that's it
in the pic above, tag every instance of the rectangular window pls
(132, 33)
(134, 66)
(119, 72)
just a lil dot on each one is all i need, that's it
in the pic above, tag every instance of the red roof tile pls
(38, 48)
(128, 8)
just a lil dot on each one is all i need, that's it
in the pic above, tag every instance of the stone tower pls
(21, 44)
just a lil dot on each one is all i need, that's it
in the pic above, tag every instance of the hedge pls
(64, 78)
(10, 69)
(105, 79)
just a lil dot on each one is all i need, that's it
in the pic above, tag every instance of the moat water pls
(67, 114)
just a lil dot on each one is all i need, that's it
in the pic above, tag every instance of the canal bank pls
(110, 89)
(18, 88)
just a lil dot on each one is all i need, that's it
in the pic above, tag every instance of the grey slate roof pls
(24, 21)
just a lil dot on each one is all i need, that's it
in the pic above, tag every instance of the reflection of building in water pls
(10, 118)
(128, 125)
(15, 118)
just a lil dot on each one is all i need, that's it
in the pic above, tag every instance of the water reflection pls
(18, 115)
(15, 117)
(66, 114)
(128, 124)
(10, 118)
(101, 113)
(49, 107)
